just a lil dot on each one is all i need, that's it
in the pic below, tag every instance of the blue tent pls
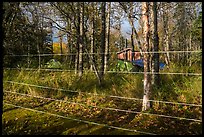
(140, 63)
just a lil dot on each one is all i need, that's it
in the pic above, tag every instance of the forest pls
(102, 68)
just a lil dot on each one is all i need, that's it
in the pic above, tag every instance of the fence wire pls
(107, 108)
(80, 120)
(112, 96)
(152, 52)
(120, 72)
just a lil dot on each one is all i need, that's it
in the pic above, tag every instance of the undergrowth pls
(85, 99)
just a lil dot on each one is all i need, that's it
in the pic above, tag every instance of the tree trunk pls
(38, 49)
(92, 37)
(28, 56)
(70, 46)
(77, 58)
(132, 34)
(182, 33)
(78, 39)
(133, 47)
(60, 37)
(136, 34)
(166, 35)
(68, 57)
(107, 37)
(151, 39)
(155, 60)
(130, 20)
(51, 33)
(126, 53)
(81, 39)
(147, 80)
(190, 46)
(102, 48)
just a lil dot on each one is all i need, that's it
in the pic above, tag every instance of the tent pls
(140, 63)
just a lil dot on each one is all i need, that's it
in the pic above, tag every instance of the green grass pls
(23, 122)
(33, 123)
(175, 88)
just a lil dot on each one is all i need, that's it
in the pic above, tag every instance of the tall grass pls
(175, 88)
(172, 87)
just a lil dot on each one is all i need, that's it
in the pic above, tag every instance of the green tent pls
(53, 64)
(124, 66)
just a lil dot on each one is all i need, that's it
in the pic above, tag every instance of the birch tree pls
(92, 34)
(165, 17)
(81, 38)
(147, 80)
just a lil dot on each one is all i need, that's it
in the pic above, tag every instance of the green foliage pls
(53, 64)
(197, 28)
(20, 35)
(196, 59)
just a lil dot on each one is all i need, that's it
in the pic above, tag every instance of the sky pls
(125, 28)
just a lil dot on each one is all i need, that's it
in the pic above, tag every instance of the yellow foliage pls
(57, 48)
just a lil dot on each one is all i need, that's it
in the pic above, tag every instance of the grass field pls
(91, 110)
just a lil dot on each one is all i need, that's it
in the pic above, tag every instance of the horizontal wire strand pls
(178, 103)
(79, 120)
(163, 73)
(107, 108)
(32, 69)
(121, 72)
(104, 53)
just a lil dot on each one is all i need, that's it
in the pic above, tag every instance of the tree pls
(131, 21)
(23, 33)
(103, 35)
(147, 80)
(107, 37)
(197, 30)
(155, 60)
(92, 35)
(81, 38)
(166, 32)
(78, 37)
(61, 38)
(132, 32)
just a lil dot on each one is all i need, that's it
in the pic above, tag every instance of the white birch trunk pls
(81, 40)
(145, 18)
